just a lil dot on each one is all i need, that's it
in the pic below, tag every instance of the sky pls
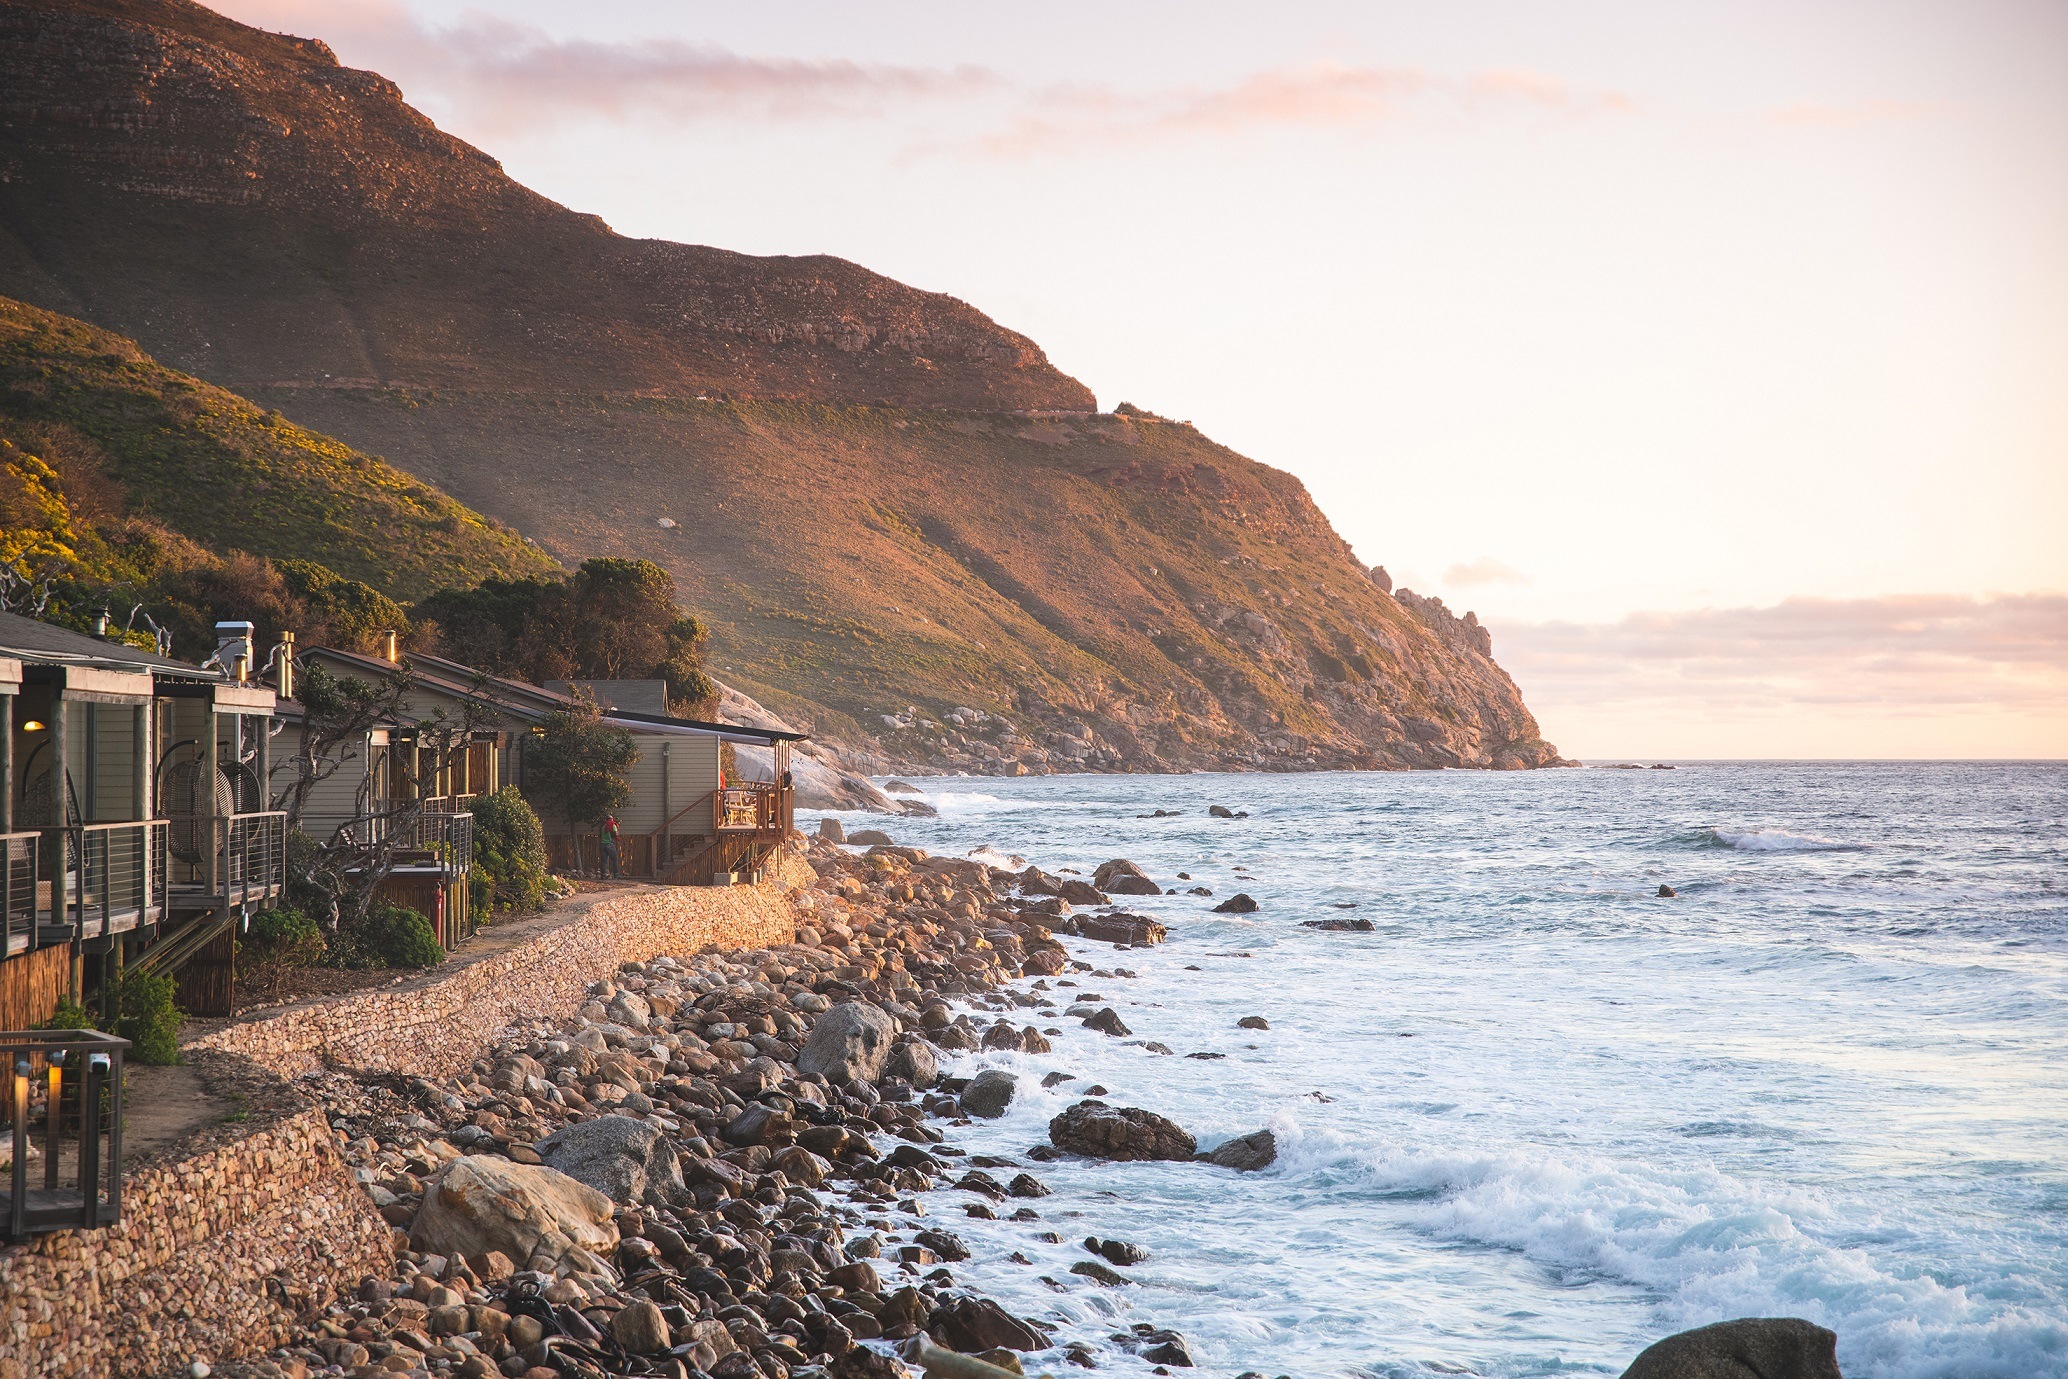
(1715, 354)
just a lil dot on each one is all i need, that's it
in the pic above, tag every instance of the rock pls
(621, 1158)
(869, 837)
(1749, 1348)
(989, 1093)
(1106, 1020)
(832, 831)
(1116, 1251)
(1097, 1273)
(1099, 1131)
(955, 1039)
(640, 1328)
(917, 809)
(1247, 1153)
(1027, 1185)
(915, 1061)
(478, 1204)
(1340, 926)
(849, 1043)
(972, 1324)
(1138, 931)
(1133, 885)
(1035, 881)
(1221, 811)
(1253, 1022)
(1239, 903)
(1106, 872)
(1667, 893)
(1076, 891)
(1002, 1037)
(944, 1244)
(1167, 1348)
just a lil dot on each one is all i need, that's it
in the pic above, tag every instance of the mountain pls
(138, 438)
(906, 528)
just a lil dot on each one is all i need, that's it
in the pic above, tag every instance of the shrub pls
(71, 1015)
(392, 936)
(509, 853)
(146, 1016)
(284, 935)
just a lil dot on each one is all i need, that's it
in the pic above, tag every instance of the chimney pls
(232, 647)
(283, 665)
(389, 651)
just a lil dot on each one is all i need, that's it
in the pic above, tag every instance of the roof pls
(530, 702)
(42, 643)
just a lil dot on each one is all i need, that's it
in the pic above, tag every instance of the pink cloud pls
(1486, 570)
(505, 76)
(1319, 95)
(1908, 653)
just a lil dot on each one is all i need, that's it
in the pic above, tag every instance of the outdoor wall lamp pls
(33, 726)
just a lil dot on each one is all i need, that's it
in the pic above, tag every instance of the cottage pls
(133, 827)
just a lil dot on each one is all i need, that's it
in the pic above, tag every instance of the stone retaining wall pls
(216, 1253)
(221, 1246)
(439, 1023)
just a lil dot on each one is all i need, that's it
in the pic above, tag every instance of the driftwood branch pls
(952, 1364)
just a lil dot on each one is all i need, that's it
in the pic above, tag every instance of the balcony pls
(228, 862)
(97, 880)
(64, 1120)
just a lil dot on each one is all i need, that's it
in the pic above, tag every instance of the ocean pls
(1540, 1116)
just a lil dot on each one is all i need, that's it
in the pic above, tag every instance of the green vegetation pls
(611, 620)
(509, 854)
(118, 474)
(580, 763)
(389, 936)
(284, 935)
(141, 1009)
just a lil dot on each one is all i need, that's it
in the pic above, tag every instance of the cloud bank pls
(1909, 675)
(500, 77)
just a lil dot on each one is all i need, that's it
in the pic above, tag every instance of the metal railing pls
(111, 875)
(250, 852)
(446, 839)
(18, 890)
(64, 1117)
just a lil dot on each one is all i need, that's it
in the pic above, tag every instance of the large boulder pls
(1099, 1131)
(914, 1060)
(831, 830)
(1077, 891)
(1748, 1348)
(528, 1212)
(849, 1043)
(972, 1325)
(1122, 877)
(1137, 931)
(626, 1160)
(989, 1093)
(1247, 1153)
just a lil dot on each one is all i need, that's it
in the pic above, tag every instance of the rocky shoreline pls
(714, 1167)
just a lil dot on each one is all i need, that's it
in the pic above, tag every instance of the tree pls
(611, 620)
(581, 765)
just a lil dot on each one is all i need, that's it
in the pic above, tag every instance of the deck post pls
(6, 763)
(140, 790)
(60, 797)
(211, 770)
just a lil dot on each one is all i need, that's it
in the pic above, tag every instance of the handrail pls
(450, 836)
(109, 870)
(250, 853)
(18, 888)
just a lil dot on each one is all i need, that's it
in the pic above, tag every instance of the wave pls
(1709, 1246)
(1773, 840)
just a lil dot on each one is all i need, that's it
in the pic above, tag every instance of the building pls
(134, 827)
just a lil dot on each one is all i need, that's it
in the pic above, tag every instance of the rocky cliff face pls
(255, 213)
(909, 532)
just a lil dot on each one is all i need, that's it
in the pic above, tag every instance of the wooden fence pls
(31, 984)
